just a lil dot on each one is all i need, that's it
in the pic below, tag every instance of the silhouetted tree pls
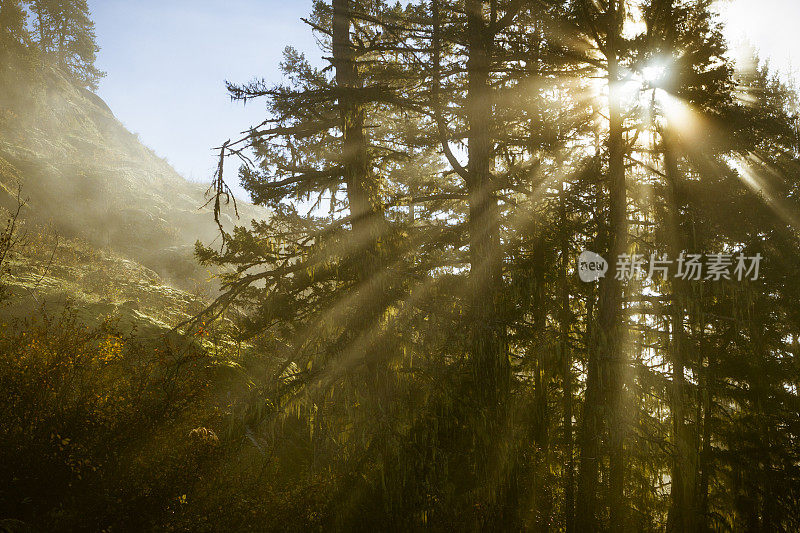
(65, 34)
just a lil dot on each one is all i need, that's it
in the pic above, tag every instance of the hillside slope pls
(88, 177)
(42, 279)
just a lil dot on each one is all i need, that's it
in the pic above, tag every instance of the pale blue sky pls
(167, 61)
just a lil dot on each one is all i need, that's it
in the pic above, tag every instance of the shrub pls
(96, 427)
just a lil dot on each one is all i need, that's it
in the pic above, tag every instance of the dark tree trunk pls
(613, 357)
(566, 372)
(683, 467)
(363, 188)
(591, 430)
(683, 475)
(608, 368)
(487, 342)
(704, 462)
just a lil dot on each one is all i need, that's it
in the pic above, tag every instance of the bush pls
(97, 428)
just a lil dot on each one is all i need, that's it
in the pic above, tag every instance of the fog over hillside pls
(87, 176)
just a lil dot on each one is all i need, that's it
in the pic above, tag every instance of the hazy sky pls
(167, 61)
(771, 25)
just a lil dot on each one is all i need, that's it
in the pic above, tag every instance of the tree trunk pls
(607, 367)
(613, 359)
(566, 372)
(586, 511)
(704, 464)
(487, 342)
(683, 475)
(363, 188)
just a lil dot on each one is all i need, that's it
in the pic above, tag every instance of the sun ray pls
(756, 175)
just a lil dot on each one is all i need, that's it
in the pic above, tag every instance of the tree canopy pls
(60, 33)
(432, 190)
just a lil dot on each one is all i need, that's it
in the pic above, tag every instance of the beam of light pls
(364, 345)
(521, 218)
(751, 171)
(629, 90)
(655, 73)
(679, 113)
(698, 134)
(367, 342)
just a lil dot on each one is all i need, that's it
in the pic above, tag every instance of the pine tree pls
(13, 31)
(16, 58)
(65, 34)
(691, 59)
(608, 368)
(455, 157)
